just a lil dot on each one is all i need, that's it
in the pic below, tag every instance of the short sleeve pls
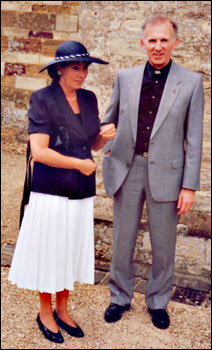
(39, 118)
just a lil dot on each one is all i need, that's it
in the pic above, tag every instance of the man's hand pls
(185, 200)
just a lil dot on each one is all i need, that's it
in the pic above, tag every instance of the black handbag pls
(27, 182)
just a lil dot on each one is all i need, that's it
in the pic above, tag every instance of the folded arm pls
(41, 153)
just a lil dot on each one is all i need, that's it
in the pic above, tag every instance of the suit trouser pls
(163, 219)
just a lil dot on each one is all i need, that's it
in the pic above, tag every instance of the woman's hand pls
(87, 167)
(41, 152)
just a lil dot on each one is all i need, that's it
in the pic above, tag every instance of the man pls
(155, 157)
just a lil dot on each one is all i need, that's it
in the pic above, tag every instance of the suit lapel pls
(134, 97)
(84, 110)
(171, 90)
(65, 110)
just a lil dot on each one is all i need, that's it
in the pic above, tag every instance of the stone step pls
(197, 220)
(192, 263)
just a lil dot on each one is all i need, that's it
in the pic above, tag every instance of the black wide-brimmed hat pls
(72, 51)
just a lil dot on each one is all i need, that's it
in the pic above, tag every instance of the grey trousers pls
(163, 219)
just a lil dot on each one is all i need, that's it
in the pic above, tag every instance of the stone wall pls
(112, 30)
(32, 30)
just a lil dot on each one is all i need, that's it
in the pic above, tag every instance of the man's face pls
(159, 41)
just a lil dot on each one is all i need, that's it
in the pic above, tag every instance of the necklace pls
(72, 98)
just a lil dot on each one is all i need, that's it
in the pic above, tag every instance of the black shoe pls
(74, 331)
(55, 337)
(160, 318)
(114, 312)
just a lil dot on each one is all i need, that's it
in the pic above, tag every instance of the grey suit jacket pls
(175, 146)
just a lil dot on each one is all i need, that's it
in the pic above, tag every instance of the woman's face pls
(74, 75)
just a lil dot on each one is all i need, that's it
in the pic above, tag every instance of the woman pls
(55, 246)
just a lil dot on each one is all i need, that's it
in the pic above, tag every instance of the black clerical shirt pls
(151, 92)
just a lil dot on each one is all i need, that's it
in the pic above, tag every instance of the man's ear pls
(142, 43)
(176, 42)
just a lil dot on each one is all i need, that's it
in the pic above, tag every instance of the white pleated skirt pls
(55, 246)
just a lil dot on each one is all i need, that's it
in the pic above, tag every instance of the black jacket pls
(51, 114)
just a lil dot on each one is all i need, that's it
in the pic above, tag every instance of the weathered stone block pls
(11, 57)
(14, 69)
(7, 81)
(140, 287)
(53, 3)
(8, 18)
(99, 275)
(10, 94)
(28, 58)
(24, 45)
(45, 35)
(45, 59)
(193, 282)
(15, 116)
(63, 36)
(16, 5)
(52, 8)
(7, 254)
(28, 83)
(49, 47)
(32, 70)
(67, 23)
(4, 43)
(72, 3)
(36, 21)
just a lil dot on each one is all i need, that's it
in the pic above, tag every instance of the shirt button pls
(156, 81)
(153, 97)
(150, 112)
(148, 127)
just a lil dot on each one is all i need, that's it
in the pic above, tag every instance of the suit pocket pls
(177, 163)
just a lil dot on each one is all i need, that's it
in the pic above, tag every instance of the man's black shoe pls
(114, 312)
(160, 318)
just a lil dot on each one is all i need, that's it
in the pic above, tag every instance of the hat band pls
(71, 56)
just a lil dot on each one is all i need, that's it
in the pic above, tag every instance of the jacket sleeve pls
(112, 113)
(39, 119)
(194, 136)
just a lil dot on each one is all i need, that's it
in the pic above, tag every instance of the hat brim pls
(88, 59)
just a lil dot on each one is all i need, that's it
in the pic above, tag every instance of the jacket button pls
(128, 165)
(84, 147)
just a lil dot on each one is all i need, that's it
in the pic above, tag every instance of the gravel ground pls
(190, 325)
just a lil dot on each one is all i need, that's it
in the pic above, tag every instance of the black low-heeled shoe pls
(160, 318)
(54, 337)
(114, 312)
(73, 331)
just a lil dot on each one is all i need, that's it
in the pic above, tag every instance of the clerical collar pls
(158, 72)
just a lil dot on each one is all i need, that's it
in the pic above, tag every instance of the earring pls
(59, 72)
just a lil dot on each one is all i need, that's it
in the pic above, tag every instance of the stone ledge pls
(197, 222)
(192, 263)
